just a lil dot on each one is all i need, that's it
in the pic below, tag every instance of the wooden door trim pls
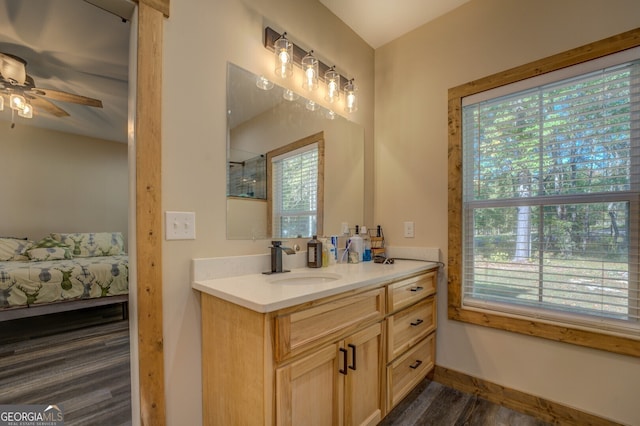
(148, 128)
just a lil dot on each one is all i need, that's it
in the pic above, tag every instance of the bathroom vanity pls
(337, 345)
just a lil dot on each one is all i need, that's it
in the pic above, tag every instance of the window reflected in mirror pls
(295, 174)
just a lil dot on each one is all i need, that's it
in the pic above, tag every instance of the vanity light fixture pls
(263, 83)
(290, 95)
(283, 50)
(350, 97)
(312, 106)
(288, 53)
(331, 115)
(332, 78)
(310, 67)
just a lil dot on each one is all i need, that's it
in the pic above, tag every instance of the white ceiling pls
(380, 21)
(76, 47)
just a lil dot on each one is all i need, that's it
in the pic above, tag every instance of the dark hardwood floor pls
(432, 403)
(78, 360)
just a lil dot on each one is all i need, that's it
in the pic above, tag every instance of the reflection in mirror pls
(260, 124)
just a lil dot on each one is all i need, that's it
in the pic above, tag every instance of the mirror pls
(260, 122)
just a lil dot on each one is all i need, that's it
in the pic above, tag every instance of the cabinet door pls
(309, 391)
(363, 400)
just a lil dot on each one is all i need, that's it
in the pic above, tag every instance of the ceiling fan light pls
(26, 112)
(310, 67)
(283, 50)
(1, 103)
(332, 78)
(17, 102)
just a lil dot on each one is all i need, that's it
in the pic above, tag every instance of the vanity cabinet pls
(338, 384)
(339, 360)
(411, 324)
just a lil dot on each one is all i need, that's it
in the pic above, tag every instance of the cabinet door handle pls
(417, 288)
(416, 364)
(353, 356)
(417, 322)
(344, 361)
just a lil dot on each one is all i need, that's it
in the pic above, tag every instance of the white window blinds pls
(551, 199)
(295, 192)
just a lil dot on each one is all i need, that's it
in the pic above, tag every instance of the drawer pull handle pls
(416, 364)
(417, 288)
(353, 356)
(417, 322)
(344, 361)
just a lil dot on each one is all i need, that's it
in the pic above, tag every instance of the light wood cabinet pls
(341, 360)
(338, 384)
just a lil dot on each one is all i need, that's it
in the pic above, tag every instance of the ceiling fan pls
(19, 89)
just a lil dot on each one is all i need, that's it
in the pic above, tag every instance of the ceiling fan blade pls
(44, 105)
(58, 95)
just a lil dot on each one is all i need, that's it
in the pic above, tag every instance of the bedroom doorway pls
(25, 37)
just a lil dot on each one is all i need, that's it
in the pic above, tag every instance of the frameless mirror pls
(261, 122)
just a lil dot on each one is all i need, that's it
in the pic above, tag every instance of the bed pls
(62, 272)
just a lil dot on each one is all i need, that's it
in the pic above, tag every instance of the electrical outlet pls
(180, 225)
(409, 230)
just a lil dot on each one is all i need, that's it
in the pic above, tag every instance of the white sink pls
(310, 277)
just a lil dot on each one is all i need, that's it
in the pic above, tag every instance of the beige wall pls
(199, 38)
(59, 182)
(412, 75)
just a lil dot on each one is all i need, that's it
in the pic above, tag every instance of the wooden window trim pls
(528, 326)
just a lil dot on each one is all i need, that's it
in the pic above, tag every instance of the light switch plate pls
(180, 225)
(409, 230)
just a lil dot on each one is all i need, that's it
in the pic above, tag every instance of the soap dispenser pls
(314, 253)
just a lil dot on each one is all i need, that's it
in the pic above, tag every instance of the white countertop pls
(260, 293)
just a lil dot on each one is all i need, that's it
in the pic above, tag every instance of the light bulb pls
(351, 100)
(333, 85)
(17, 102)
(26, 111)
(283, 49)
(310, 67)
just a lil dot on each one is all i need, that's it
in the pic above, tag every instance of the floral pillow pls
(14, 249)
(90, 244)
(58, 250)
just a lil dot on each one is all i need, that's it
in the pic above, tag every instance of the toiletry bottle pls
(356, 247)
(325, 252)
(314, 253)
(366, 254)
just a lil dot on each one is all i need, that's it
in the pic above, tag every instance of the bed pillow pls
(63, 250)
(48, 253)
(14, 249)
(90, 244)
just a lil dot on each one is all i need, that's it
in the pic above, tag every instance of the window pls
(295, 182)
(550, 201)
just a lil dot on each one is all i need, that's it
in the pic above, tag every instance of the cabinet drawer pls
(299, 331)
(406, 292)
(409, 369)
(409, 326)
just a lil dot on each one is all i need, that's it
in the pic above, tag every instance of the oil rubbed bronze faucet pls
(276, 257)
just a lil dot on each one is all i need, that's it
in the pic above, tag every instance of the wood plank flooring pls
(432, 403)
(79, 360)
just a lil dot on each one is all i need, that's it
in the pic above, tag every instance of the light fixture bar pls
(270, 37)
